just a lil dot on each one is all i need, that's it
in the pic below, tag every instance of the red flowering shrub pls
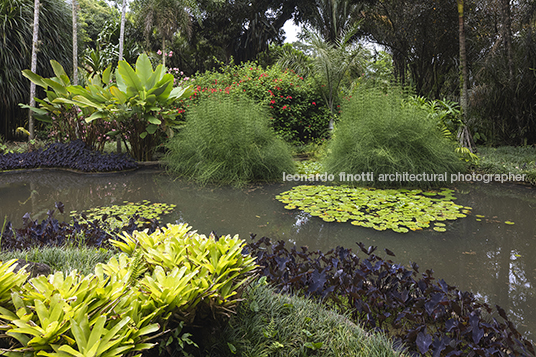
(298, 112)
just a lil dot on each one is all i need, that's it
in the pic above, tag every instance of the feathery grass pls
(380, 133)
(228, 141)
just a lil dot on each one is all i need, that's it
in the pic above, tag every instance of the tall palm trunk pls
(163, 51)
(34, 67)
(75, 42)
(121, 44)
(464, 136)
(506, 19)
(463, 60)
(122, 31)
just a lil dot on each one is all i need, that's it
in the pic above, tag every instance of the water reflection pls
(488, 257)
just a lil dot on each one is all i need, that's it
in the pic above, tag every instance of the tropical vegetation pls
(382, 134)
(228, 140)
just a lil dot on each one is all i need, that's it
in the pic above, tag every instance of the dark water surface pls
(494, 260)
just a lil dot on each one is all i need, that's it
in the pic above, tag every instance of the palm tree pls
(122, 31)
(331, 63)
(332, 18)
(168, 17)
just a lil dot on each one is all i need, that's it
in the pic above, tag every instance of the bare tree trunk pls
(506, 19)
(122, 31)
(34, 67)
(121, 43)
(75, 42)
(463, 62)
(163, 51)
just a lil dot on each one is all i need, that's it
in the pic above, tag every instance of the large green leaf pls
(129, 76)
(35, 78)
(181, 92)
(118, 94)
(60, 72)
(107, 75)
(58, 87)
(144, 70)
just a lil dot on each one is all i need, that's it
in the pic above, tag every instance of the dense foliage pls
(428, 316)
(16, 27)
(297, 111)
(52, 233)
(378, 133)
(112, 311)
(74, 155)
(228, 140)
(137, 100)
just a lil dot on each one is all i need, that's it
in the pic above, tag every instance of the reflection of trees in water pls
(77, 191)
(504, 265)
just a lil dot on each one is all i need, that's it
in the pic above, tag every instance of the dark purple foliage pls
(50, 232)
(426, 315)
(73, 155)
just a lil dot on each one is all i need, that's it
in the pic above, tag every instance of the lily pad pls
(398, 210)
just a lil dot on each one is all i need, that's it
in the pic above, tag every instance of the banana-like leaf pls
(60, 72)
(107, 75)
(129, 77)
(35, 78)
(58, 87)
(144, 70)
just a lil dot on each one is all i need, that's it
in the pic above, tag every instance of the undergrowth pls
(228, 141)
(380, 134)
(509, 159)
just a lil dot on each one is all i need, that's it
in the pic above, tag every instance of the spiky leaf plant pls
(228, 141)
(379, 133)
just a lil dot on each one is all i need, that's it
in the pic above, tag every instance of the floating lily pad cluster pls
(123, 213)
(399, 210)
(308, 167)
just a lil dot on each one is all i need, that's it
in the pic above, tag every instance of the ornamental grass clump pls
(380, 133)
(228, 141)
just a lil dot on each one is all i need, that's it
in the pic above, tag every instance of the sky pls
(291, 31)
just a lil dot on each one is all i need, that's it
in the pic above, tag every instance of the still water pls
(494, 260)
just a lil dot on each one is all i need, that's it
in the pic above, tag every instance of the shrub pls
(297, 111)
(380, 133)
(74, 155)
(229, 141)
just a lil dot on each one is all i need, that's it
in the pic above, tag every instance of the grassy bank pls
(509, 159)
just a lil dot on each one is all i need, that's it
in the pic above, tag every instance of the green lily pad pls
(398, 210)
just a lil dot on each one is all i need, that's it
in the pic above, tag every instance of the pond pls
(494, 260)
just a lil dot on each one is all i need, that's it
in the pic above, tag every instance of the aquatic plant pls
(74, 155)
(428, 316)
(119, 215)
(228, 141)
(380, 134)
(399, 210)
